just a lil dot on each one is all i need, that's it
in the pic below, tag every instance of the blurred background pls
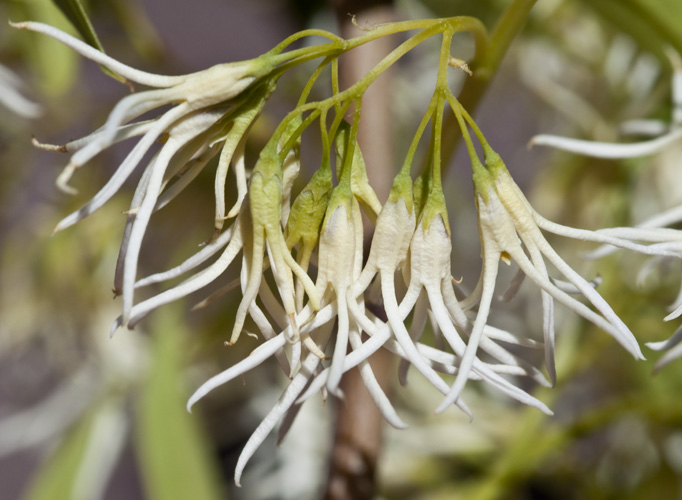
(86, 417)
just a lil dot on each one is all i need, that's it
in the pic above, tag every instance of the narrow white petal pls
(193, 168)
(234, 138)
(602, 236)
(479, 368)
(650, 128)
(490, 267)
(240, 176)
(180, 134)
(125, 169)
(192, 284)
(127, 109)
(664, 345)
(192, 262)
(675, 314)
(268, 333)
(403, 337)
(341, 344)
(260, 354)
(417, 326)
(376, 392)
(611, 323)
(547, 312)
(286, 400)
(606, 149)
(99, 57)
(669, 356)
(254, 253)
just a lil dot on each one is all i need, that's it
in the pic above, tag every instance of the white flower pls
(430, 271)
(210, 113)
(511, 230)
(651, 229)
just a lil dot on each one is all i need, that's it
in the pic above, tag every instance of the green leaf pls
(75, 13)
(57, 477)
(82, 464)
(173, 454)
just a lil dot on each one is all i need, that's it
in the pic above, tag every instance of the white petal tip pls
(444, 406)
(65, 188)
(192, 401)
(673, 315)
(58, 148)
(118, 322)
(399, 424)
(657, 346)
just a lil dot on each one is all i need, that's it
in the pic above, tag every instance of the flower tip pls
(59, 227)
(63, 186)
(19, 26)
(115, 326)
(59, 148)
(443, 406)
(673, 315)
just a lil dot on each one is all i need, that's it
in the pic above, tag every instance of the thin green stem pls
(441, 91)
(409, 157)
(277, 49)
(486, 63)
(437, 130)
(335, 80)
(458, 108)
(361, 85)
(458, 111)
(313, 78)
(338, 118)
(324, 134)
(296, 134)
(339, 46)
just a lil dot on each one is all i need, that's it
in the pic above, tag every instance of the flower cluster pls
(303, 280)
(655, 228)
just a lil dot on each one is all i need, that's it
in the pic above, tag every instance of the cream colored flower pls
(510, 229)
(210, 114)
(654, 228)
